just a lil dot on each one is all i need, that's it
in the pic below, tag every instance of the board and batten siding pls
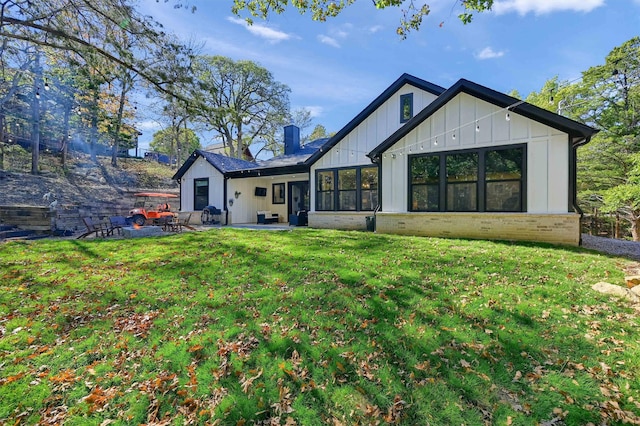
(247, 205)
(547, 151)
(198, 170)
(352, 150)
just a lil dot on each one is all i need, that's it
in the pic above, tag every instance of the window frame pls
(407, 97)
(342, 190)
(282, 199)
(330, 192)
(481, 182)
(195, 193)
(336, 191)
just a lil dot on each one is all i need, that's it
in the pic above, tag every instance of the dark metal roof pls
(377, 102)
(577, 131)
(233, 167)
(222, 163)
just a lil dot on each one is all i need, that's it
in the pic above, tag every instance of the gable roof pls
(377, 102)
(298, 162)
(578, 132)
(234, 167)
(220, 162)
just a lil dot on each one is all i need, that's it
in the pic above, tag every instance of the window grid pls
(486, 180)
(347, 189)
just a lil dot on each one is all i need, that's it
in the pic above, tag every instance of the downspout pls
(180, 193)
(377, 160)
(224, 201)
(573, 178)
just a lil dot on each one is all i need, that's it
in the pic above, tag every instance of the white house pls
(464, 162)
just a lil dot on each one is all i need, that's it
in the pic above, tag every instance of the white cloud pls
(148, 125)
(328, 40)
(374, 29)
(336, 34)
(262, 31)
(540, 7)
(314, 110)
(489, 53)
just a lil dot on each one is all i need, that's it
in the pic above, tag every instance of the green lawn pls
(240, 327)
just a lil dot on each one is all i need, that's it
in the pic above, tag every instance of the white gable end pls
(466, 122)
(384, 121)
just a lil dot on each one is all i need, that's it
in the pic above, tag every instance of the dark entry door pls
(298, 196)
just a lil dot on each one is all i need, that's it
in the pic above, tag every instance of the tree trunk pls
(35, 136)
(116, 136)
(93, 136)
(64, 149)
(239, 145)
(2, 137)
(635, 228)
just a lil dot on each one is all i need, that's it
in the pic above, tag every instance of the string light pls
(435, 139)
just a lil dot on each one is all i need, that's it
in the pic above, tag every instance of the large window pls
(503, 177)
(462, 182)
(425, 183)
(347, 189)
(200, 193)
(368, 188)
(490, 179)
(325, 184)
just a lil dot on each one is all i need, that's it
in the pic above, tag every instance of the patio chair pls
(178, 223)
(117, 223)
(99, 229)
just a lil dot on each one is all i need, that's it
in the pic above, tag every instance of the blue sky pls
(336, 68)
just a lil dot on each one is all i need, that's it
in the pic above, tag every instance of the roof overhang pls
(270, 171)
(372, 107)
(579, 133)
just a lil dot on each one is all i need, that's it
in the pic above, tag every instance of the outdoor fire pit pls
(141, 231)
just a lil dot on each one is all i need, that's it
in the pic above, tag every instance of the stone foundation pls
(549, 228)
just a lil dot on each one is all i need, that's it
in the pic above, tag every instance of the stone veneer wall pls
(339, 220)
(550, 228)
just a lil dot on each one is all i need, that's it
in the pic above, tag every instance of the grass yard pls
(309, 327)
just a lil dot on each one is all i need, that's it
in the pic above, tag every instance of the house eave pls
(574, 129)
(372, 107)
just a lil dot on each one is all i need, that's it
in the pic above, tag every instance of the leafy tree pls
(16, 58)
(166, 141)
(608, 98)
(302, 119)
(79, 26)
(319, 132)
(412, 13)
(244, 103)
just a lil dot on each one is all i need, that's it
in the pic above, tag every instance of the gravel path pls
(630, 249)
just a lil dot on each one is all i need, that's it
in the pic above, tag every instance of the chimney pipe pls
(291, 139)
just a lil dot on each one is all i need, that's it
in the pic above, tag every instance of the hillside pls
(84, 182)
